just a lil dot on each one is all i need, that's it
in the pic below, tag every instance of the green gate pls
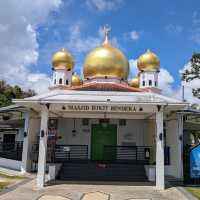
(103, 135)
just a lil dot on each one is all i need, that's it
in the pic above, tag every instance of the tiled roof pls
(101, 87)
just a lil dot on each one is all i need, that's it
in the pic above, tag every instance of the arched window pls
(54, 81)
(60, 81)
(143, 83)
(67, 82)
(150, 82)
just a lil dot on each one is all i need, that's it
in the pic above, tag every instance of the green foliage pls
(8, 92)
(193, 73)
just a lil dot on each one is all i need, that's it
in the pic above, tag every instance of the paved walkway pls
(92, 191)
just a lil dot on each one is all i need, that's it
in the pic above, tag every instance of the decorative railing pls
(129, 154)
(62, 153)
(11, 150)
(71, 152)
(123, 154)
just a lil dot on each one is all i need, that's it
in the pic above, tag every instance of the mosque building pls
(102, 126)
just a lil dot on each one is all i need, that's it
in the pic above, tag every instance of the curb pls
(186, 193)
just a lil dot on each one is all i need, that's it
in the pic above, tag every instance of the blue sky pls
(166, 27)
(30, 32)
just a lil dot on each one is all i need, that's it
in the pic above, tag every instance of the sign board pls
(129, 108)
(195, 162)
(66, 148)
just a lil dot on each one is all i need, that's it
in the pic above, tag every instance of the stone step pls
(108, 172)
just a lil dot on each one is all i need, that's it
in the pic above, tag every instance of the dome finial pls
(106, 30)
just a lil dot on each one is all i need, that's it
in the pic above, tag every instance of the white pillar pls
(180, 145)
(25, 157)
(160, 167)
(42, 147)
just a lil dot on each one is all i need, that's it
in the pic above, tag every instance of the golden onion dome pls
(63, 60)
(135, 82)
(106, 61)
(148, 62)
(76, 80)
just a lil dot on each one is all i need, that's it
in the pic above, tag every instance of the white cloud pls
(78, 43)
(165, 82)
(174, 28)
(18, 39)
(134, 35)
(104, 5)
(188, 86)
(196, 27)
(133, 68)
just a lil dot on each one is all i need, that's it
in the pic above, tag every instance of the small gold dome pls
(148, 61)
(76, 80)
(106, 61)
(62, 60)
(135, 82)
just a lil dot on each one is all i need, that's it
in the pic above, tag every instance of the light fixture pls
(42, 133)
(74, 128)
(25, 134)
(160, 136)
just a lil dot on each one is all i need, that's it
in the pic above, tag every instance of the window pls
(60, 81)
(155, 83)
(54, 81)
(150, 82)
(122, 122)
(85, 122)
(143, 83)
(67, 82)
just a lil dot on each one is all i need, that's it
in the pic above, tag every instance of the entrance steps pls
(102, 172)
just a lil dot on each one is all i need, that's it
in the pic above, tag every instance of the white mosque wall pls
(63, 75)
(173, 128)
(20, 135)
(10, 164)
(134, 133)
(147, 77)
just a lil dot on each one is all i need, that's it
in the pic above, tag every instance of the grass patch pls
(3, 185)
(195, 191)
(10, 176)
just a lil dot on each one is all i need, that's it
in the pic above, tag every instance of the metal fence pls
(127, 154)
(62, 153)
(11, 150)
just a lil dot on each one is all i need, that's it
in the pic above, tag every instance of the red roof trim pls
(101, 87)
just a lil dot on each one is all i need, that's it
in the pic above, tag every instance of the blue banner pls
(195, 162)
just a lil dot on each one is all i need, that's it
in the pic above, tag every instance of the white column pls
(25, 163)
(42, 147)
(160, 167)
(180, 145)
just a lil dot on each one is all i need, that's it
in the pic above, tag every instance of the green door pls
(101, 136)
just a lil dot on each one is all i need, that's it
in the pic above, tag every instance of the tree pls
(193, 73)
(7, 93)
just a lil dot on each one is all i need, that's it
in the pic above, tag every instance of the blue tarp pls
(195, 162)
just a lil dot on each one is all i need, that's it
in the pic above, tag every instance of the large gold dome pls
(148, 61)
(76, 80)
(106, 61)
(135, 82)
(62, 60)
